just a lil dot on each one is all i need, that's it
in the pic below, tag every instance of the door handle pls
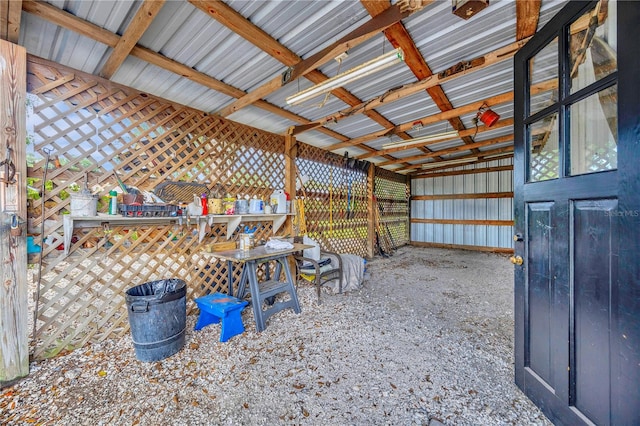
(516, 260)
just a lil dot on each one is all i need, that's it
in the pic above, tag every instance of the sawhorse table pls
(260, 291)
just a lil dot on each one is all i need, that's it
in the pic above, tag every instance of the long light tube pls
(346, 77)
(449, 162)
(422, 139)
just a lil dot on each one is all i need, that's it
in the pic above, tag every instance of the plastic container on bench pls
(149, 210)
(157, 313)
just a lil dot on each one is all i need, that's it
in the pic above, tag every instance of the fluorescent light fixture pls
(423, 139)
(346, 77)
(449, 162)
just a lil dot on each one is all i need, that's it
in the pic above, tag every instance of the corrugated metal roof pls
(189, 36)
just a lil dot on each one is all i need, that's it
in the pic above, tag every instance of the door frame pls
(625, 303)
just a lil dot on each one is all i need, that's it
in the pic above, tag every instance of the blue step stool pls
(217, 306)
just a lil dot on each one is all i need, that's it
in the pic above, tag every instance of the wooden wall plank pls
(465, 222)
(465, 247)
(464, 172)
(463, 196)
(14, 351)
(10, 16)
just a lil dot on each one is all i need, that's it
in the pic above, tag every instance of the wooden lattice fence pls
(93, 128)
(392, 192)
(83, 127)
(336, 201)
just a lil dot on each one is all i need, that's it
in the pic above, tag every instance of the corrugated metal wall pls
(438, 208)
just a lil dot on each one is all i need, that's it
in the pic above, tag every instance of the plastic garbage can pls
(157, 313)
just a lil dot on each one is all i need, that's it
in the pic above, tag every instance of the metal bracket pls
(9, 169)
(10, 197)
(286, 75)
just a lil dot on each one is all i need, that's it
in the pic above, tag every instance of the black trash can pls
(157, 318)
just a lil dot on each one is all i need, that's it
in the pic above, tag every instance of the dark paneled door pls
(577, 215)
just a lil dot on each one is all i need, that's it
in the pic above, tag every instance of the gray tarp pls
(352, 273)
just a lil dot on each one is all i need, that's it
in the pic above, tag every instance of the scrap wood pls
(388, 234)
(384, 245)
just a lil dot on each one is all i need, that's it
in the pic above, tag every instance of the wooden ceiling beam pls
(431, 119)
(255, 35)
(458, 70)
(446, 115)
(434, 172)
(527, 16)
(67, 20)
(10, 15)
(452, 150)
(139, 24)
(302, 67)
(398, 35)
(417, 170)
(240, 25)
(493, 154)
(176, 67)
(465, 133)
(89, 30)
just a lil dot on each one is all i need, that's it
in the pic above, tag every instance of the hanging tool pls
(120, 183)
(349, 196)
(47, 151)
(9, 168)
(85, 189)
(302, 220)
(331, 200)
(343, 185)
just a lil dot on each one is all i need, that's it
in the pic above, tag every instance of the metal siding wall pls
(464, 209)
(469, 210)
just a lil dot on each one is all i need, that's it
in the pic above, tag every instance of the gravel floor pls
(427, 340)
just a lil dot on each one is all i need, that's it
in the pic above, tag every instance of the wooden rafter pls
(239, 24)
(392, 95)
(94, 32)
(249, 31)
(398, 35)
(429, 173)
(483, 156)
(10, 20)
(465, 109)
(527, 16)
(139, 24)
(468, 132)
(465, 147)
(446, 115)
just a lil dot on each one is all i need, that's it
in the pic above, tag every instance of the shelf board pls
(233, 221)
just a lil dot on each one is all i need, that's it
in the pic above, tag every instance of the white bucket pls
(278, 201)
(84, 205)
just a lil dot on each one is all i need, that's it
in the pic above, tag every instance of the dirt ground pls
(427, 339)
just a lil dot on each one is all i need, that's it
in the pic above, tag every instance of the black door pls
(577, 215)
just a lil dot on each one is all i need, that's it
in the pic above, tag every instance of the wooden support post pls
(10, 14)
(14, 348)
(290, 154)
(371, 232)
